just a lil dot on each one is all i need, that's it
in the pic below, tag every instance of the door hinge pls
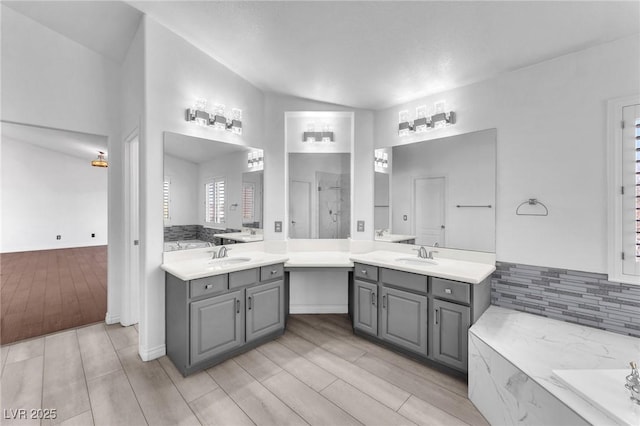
(622, 124)
(622, 190)
(622, 255)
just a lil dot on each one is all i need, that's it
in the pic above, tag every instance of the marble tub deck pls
(512, 356)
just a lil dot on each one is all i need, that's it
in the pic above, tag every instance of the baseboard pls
(111, 319)
(153, 353)
(318, 309)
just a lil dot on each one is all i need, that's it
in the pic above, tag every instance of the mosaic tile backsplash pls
(579, 297)
(194, 232)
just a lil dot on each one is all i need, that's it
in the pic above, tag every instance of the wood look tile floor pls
(317, 373)
(50, 290)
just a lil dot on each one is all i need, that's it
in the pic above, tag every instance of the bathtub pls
(185, 245)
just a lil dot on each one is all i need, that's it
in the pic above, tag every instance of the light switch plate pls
(278, 226)
(361, 226)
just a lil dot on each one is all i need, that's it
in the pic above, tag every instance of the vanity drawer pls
(243, 278)
(271, 272)
(366, 272)
(406, 280)
(207, 285)
(450, 290)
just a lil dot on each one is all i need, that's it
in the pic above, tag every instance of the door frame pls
(132, 277)
(310, 215)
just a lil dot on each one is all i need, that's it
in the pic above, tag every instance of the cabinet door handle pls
(249, 303)
(364, 272)
(384, 302)
(273, 272)
(448, 290)
(373, 299)
(208, 286)
(237, 306)
(436, 315)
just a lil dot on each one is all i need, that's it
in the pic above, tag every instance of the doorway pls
(54, 230)
(429, 210)
(300, 209)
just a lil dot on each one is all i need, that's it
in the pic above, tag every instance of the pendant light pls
(100, 161)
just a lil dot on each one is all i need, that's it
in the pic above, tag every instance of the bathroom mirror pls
(213, 192)
(438, 192)
(319, 195)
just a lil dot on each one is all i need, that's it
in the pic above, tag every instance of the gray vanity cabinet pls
(214, 318)
(216, 325)
(423, 316)
(449, 333)
(403, 319)
(365, 308)
(265, 309)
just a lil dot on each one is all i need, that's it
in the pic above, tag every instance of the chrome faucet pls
(423, 253)
(222, 252)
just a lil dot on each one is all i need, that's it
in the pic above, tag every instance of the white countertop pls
(393, 238)
(321, 259)
(458, 270)
(538, 345)
(190, 269)
(244, 237)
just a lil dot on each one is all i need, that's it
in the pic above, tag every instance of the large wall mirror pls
(213, 192)
(439, 192)
(319, 173)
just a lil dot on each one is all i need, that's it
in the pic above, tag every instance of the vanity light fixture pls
(425, 121)
(100, 161)
(326, 135)
(255, 160)
(218, 119)
(381, 159)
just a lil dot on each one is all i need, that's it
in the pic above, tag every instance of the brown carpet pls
(51, 290)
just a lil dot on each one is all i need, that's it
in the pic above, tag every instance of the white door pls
(300, 209)
(631, 183)
(428, 213)
(130, 293)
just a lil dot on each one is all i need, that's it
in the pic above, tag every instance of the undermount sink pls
(228, 261)
(416, 261)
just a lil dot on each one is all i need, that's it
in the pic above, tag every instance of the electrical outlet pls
(361, 226)
(58, 237)
(278, 226)
(404, 217)
(93, 235)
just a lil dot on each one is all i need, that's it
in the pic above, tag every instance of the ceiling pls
(80, 145)
(361, 54)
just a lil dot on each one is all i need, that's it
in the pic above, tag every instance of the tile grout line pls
(84, 374)
(228, 396)
(135, 395)
(180, 393)
(44, 353)
(274, 395)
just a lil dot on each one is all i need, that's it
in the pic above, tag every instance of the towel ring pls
(532, 202)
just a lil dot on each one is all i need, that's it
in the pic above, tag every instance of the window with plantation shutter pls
(166, 212)
(215, 201)
(248, 201)
(624, 196)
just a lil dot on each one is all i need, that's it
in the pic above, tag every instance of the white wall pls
(175, 74)
(468, 164)
(46, 193)
(183, 191)
(551, 145)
